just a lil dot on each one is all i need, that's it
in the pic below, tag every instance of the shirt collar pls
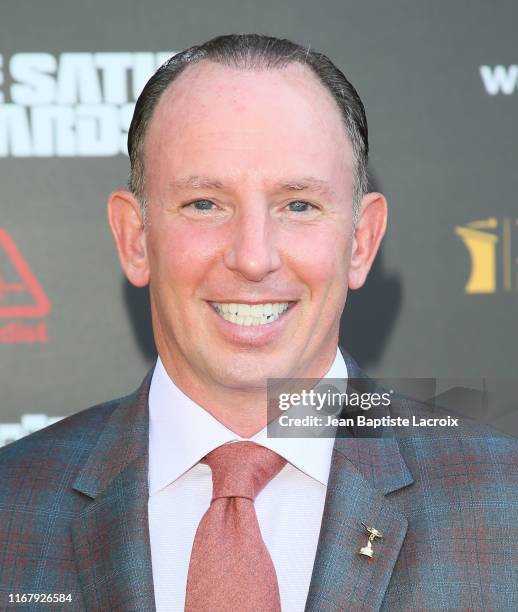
(181, 432)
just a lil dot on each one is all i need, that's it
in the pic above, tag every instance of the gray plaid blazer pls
(73, 518)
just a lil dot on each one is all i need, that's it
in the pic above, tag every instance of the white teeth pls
(243, 310)
(251, 314)
(256, 310)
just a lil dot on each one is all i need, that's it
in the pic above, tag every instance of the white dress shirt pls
(289, 509)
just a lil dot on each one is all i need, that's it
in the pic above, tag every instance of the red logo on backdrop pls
(21, 297)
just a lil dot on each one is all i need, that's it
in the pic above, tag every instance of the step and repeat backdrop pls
(440, 84)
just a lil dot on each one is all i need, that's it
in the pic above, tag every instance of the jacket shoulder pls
(55, 452)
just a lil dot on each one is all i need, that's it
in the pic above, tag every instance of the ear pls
(125, 219)
(369, 230)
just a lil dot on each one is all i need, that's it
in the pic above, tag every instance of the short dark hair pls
(252, 52)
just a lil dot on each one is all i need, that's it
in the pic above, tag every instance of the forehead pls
(221, 120)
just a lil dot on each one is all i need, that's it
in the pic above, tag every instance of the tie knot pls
(242, 469)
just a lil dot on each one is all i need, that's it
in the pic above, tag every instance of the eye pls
(300, 206)
(201, 205)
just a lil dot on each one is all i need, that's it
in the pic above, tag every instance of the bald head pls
(255, 53)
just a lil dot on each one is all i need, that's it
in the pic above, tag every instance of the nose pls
(253, 251)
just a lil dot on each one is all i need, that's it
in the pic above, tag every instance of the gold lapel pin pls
(367, 551)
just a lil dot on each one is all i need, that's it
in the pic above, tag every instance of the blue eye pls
(202, 204)
(300, 206)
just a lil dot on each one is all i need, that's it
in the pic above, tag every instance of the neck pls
(242, 410)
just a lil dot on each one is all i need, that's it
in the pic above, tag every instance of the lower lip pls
(253, 335)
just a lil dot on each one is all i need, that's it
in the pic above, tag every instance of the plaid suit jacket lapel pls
(111, 535)
(363, 474)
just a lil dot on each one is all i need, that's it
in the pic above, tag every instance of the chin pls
(245, 378)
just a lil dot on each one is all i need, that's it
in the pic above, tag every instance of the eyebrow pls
(300, 184)
(196, 182)
(307, 183)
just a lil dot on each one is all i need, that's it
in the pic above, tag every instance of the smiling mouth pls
(251, 314)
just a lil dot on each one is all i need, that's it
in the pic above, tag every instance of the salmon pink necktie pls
(230, 567)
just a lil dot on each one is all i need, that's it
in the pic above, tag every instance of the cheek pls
(183, 256)
(321, 257)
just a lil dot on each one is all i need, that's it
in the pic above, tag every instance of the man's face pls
(249, 188)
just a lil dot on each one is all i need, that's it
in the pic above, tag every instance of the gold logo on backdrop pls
(489, 244)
